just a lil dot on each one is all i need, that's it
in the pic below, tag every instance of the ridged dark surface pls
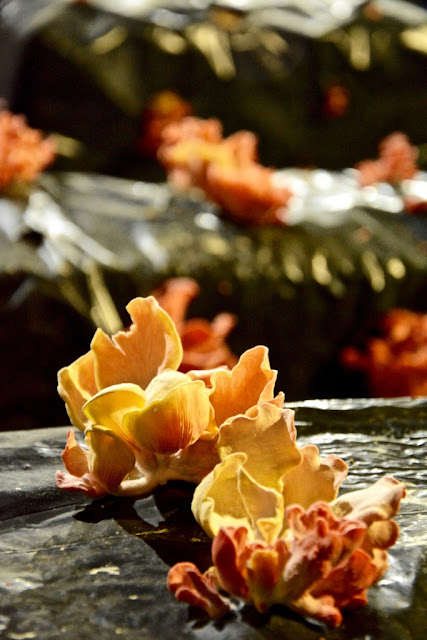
(264, 67)
(70, 568)
(79, 246)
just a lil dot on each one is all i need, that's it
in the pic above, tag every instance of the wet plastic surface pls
(270, 67)
(70, 568)
(79, 246)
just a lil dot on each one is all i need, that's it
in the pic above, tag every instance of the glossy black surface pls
(78, 247)
(71, 568)
(266, 67)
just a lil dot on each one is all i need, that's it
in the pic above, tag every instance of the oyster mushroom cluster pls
(281, 533)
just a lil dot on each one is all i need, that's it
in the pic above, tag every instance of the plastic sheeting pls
(321, 82)
(75, 568)
(78, 247)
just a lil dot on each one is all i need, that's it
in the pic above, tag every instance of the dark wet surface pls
(71, 568)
